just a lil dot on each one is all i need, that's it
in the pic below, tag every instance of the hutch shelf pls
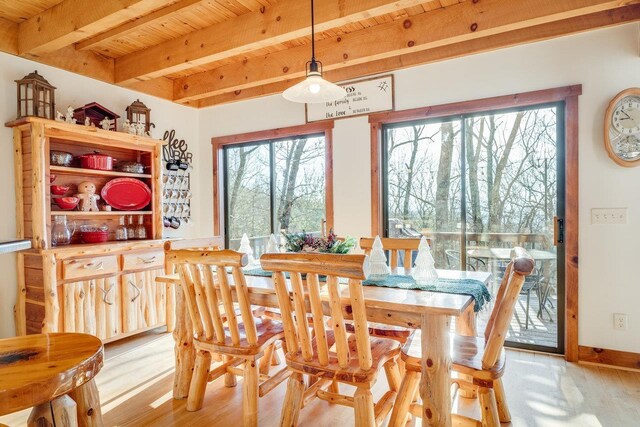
(105, 289)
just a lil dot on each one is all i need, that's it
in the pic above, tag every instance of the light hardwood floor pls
(136, 381)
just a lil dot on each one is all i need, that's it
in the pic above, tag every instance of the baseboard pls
(622, 359)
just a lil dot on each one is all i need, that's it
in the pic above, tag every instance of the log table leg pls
(466, 326)
(88, 400)
(436, 371)
(60, 412)
(185, 352)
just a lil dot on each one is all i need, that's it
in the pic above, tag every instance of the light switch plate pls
(609, 216)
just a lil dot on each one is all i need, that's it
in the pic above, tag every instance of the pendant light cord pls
(313, 35)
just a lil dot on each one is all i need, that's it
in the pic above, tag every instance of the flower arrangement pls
(307, 242)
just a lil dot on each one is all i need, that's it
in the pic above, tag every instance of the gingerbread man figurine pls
(88, 197)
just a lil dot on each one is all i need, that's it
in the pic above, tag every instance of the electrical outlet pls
(609, 216)
(620, 322)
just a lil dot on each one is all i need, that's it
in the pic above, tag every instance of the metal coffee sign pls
(363, 97)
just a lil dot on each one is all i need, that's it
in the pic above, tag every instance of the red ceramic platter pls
(126, 194)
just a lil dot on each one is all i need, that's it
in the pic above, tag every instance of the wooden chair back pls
(202, 243)
(205, 295)
(296, 326)
(496, 331)
(394, 246)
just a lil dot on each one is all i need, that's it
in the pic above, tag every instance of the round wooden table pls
(51, 372)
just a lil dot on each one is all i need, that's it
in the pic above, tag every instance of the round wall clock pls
(622, 128)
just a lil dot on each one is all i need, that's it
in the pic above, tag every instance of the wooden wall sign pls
(363, 97)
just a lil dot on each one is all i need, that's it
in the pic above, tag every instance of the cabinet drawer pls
(87, 267)
(143, 260)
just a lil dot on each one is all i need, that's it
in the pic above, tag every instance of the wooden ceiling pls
(208, 52)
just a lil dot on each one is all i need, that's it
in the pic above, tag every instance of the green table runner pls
(471, 287)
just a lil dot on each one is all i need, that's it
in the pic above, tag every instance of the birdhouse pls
(36, 97)
(137, 112)
(96, 113)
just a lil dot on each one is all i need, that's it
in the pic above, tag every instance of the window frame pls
(219, 143)
(569, 95)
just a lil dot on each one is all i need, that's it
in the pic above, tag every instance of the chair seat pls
(382, 350)
(383, 331)
(466, 356)
(268, 331)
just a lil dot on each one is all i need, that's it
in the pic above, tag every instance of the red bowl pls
(95, 236)
(66, 203)
(59, 190)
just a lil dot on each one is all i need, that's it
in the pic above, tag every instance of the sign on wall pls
(363, 97)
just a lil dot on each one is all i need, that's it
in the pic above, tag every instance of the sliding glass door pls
(478, 185)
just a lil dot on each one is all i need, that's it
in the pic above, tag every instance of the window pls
(273, 186)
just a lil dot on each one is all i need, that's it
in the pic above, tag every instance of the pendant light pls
(314, 89)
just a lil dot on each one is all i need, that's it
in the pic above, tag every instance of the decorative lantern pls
(36, 97)
(137, 112)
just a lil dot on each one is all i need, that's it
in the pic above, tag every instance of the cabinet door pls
(143, 300)
(91, 307)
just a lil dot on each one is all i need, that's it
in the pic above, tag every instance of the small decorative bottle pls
(131, 229)
(121, 231)
(141, 231)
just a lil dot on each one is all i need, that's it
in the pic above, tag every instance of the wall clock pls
(622, 128)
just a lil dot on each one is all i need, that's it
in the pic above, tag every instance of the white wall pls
(77, 91)
(604, 62)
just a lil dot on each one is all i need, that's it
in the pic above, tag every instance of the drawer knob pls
(150, 260)
(137, 289)
(106, 293)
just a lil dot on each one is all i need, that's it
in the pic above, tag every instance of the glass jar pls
(131, 229)
(61, 231)
(141, 231)
(121, 231)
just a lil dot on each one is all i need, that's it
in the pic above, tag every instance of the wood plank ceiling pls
(208, 52)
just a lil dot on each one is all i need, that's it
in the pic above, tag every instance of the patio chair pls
(473, 263)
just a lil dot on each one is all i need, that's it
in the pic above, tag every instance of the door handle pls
(558, 230)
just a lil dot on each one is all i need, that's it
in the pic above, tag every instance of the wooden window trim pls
(218, 143)
(568, 94)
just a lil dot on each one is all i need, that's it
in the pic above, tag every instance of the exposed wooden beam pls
(136, 24)
(284, 21)
(73, 20)
(87, 64)
(528, 35)
(8, 36)
(458, 23)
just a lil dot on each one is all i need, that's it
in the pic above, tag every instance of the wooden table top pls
(35, 369)
(505, 253)
(394, 299)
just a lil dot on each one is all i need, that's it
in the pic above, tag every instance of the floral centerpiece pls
(307, 242)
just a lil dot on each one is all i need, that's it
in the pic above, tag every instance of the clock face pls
(624, 128)
(626, 116)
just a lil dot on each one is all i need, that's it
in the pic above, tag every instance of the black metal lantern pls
(137, 112)
(36, 97)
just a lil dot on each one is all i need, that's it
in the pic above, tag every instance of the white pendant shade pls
(313, 90)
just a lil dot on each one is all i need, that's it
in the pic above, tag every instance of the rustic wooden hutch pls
(105, 289)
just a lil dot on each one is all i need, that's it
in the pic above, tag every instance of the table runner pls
(471, 287)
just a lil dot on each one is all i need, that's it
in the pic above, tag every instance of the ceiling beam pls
(8, 36)
(536, 33)
(286, 20)
(131, 26)
(73, 20)
(442, 27)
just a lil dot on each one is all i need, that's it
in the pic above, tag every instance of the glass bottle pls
(121, 231)
(141, 231)
(131, 229)
(61, 234)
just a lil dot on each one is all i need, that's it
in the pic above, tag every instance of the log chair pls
(241, 340)
(331, 356)
(480, 359)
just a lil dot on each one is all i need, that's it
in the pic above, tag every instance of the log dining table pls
(416, 309)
